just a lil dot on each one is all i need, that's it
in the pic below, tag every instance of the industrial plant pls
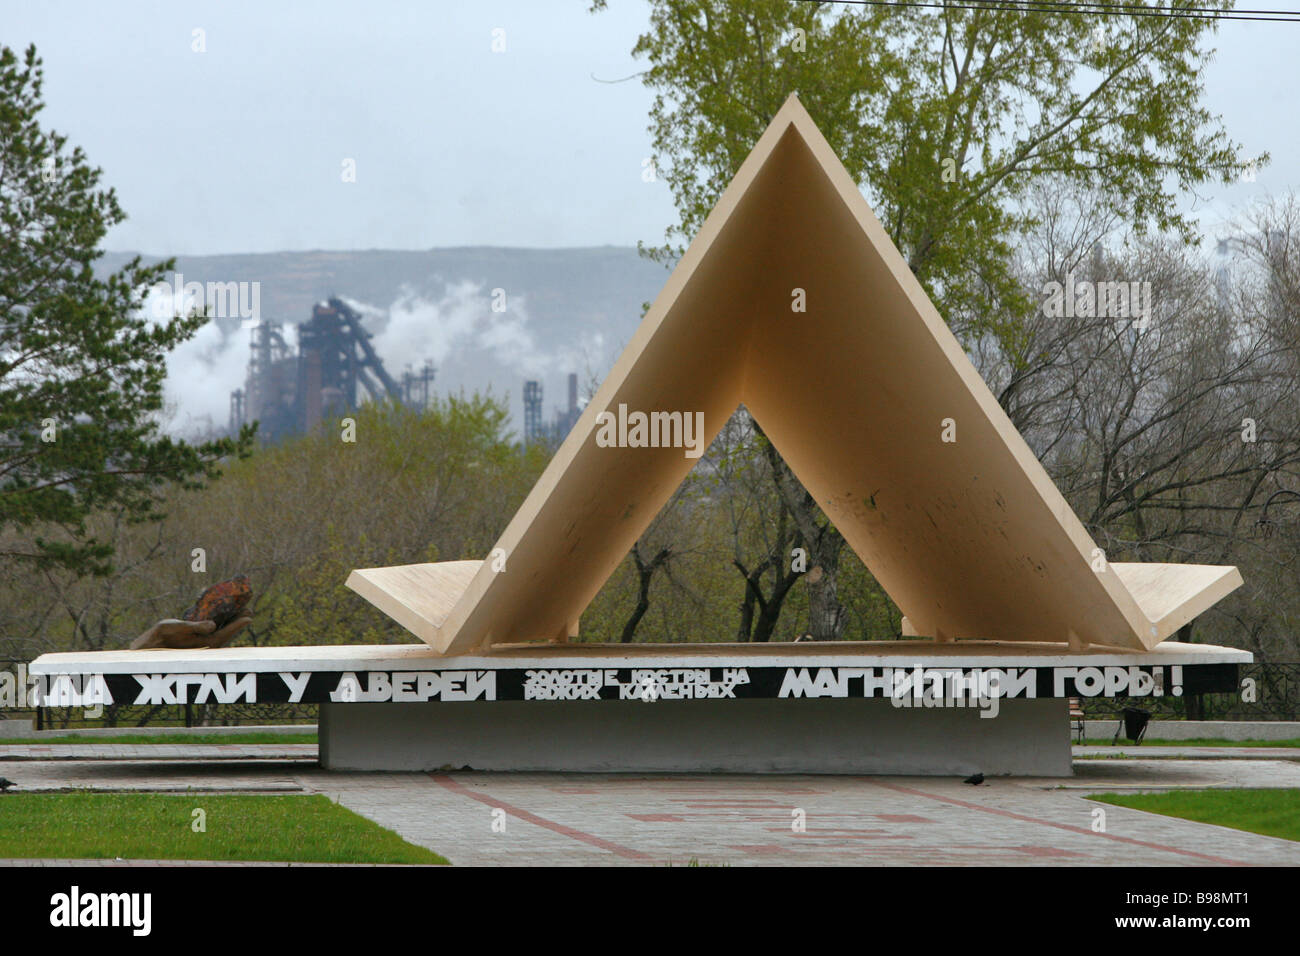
(538, 431)
(289, 392)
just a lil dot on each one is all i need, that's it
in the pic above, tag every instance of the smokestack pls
(532, 411)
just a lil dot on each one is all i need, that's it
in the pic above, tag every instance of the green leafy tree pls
(944, 117)
(81, 369)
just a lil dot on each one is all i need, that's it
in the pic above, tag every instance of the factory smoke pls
(201, 371)
(478, 339)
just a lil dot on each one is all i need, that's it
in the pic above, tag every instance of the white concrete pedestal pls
(746, 708)
(819, 735)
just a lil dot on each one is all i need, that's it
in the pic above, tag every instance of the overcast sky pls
(240, 148)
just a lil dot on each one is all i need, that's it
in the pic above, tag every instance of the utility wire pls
(1095, 9)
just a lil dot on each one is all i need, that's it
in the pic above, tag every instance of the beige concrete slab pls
(1170, 595)
(417, 596)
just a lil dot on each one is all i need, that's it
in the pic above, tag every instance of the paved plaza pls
(564, 819)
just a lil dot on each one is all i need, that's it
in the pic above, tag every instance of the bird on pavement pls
(6, 784)
(974, 779)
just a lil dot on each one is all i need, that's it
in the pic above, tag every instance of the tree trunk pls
(753, 598)
(645, 575)
(827, 615)
(760, 628)
(765, 626)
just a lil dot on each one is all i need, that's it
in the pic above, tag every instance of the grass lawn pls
(1195, 742)
(177, 738)
(149, 826)
(1270, 812)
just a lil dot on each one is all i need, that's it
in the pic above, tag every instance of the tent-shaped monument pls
(858, 390)
(793, 301)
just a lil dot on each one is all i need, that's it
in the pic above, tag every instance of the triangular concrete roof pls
(970, 538)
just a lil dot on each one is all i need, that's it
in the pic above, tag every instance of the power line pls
(1095, 9)
(1086, 7)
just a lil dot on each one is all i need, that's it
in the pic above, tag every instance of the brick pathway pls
(739, 819)
(157, 751)
(1199, 753)
(110, 751)
(155, 776)
(238, 863)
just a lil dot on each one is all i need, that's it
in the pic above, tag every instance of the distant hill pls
(566, 310)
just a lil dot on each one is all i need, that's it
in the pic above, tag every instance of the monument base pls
(838, 707)
(818, 735)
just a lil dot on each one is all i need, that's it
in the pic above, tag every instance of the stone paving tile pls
(1200, 753)
(613, 819)
(112, 751)
(151, 863)
(1161, 774)
(744, 820)
(157, 751)
(152, 775)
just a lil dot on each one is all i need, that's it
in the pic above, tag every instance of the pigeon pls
(974, 779)
(5, 784)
